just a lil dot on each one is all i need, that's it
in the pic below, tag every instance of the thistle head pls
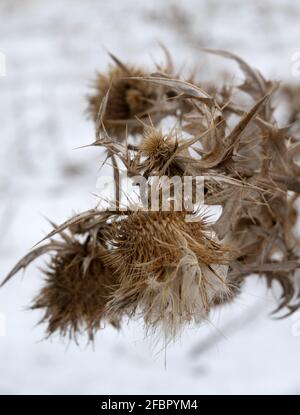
(128, 99)
(170, 271)
(76, 290)
(159, 152)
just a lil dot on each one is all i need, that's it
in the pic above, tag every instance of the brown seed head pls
(169, 270)
(127, 99)
(160, 153)
(76, 291)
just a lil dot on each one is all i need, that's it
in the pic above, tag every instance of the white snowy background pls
(53, 49)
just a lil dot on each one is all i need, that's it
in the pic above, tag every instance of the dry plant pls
(108, 265)
(170, 271)
(130, 99)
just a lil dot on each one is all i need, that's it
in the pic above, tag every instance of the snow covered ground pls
(52, 51)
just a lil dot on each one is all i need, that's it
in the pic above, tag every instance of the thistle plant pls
(109, 265)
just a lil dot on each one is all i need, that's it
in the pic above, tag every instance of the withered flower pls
(76, 291)
(170, 271)
(159, 153)
(157, 264)
(128, 99)
(77, 284)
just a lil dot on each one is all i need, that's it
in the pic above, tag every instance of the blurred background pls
(52, 51)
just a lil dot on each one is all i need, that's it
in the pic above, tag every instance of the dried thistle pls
(158, 154)
(76, 290)
(156, 264)
(170, 271)
(77, 284)
(129, 100)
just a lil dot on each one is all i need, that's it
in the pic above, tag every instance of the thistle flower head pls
(169, 270)
(76, 291)
(160, 153)
(128, 99)
(155, 144)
